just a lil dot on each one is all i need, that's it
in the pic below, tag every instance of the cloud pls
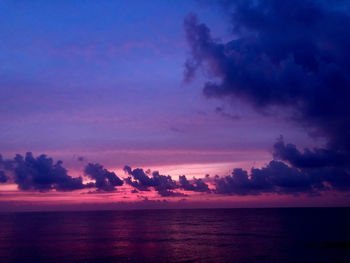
(276, 177)
(292, 172)
(197, 185)
(319, 157)
(322, 165)
(287, 54)
(141, 181)
(41, 174)
(308, 172)
(3, 177)
(163, 184)
(104, 179)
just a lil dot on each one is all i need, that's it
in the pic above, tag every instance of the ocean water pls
(203, 235)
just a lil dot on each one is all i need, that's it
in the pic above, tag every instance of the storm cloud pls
(286, 54)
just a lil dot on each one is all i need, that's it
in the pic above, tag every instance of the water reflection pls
(221, 235)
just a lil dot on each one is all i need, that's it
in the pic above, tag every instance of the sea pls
(198, 235)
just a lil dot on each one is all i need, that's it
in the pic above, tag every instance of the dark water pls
(214, 235)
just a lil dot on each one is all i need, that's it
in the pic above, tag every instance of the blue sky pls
(85, 74)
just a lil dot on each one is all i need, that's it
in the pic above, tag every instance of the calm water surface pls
(208, 235)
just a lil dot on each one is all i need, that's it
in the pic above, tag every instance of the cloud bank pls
(292, 172)
(288, 54)
(291, 55)
(42, 174)
(163, 184)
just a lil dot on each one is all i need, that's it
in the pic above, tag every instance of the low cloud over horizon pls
(176, 84)
(288, 173)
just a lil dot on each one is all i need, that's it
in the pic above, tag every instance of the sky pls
(174, 104)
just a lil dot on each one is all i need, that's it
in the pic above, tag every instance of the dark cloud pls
(168, 193)
(141, 180)
(197, 185)
(163, 184)
(276, 177)
(3, 177)
(104, 179)
(308, 172)
(42, 174)
(323, 166)
(318, 157)
(286, 54)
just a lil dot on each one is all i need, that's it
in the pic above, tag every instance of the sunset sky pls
(248, 99)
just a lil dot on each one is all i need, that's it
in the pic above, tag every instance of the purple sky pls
(91, 82)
